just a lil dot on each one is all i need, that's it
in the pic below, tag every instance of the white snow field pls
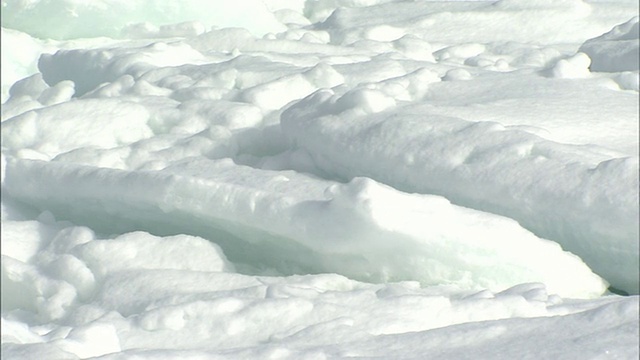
(320, 179)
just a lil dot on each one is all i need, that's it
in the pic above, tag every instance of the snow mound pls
(617, 50)
(319, 179)
(17, 65)
(565, 21)
(42, 130)
(362, 229)
(574, 67)
(486, 166)
(138, 295)
(90, 68)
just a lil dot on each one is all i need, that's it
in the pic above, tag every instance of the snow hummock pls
(617, 50)
(487, 166)
(320, 179)
(362, 229)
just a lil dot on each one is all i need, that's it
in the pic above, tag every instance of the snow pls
(70, 19)
(487, 166)
(616, 50)
(320, 179)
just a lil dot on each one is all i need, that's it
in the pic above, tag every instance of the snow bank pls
(155, 103)
(617, 50)
(138, 295)
(294, 223)
(520, 21)
(319, 179)
(42, 130)
(16, 64)
(89, 69)
(555, 190)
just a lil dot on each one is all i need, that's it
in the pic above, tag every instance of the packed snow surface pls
(317, 179)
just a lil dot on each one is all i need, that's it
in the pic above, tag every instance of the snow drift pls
(319, 179)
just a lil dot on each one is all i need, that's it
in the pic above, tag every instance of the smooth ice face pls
(319, 179)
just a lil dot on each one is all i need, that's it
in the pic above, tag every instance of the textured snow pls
(318, 179)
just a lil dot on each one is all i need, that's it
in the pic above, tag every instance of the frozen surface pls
(320, 179)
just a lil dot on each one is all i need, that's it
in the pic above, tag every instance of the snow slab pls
(320, 179)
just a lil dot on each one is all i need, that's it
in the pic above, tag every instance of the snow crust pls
(320, 179)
